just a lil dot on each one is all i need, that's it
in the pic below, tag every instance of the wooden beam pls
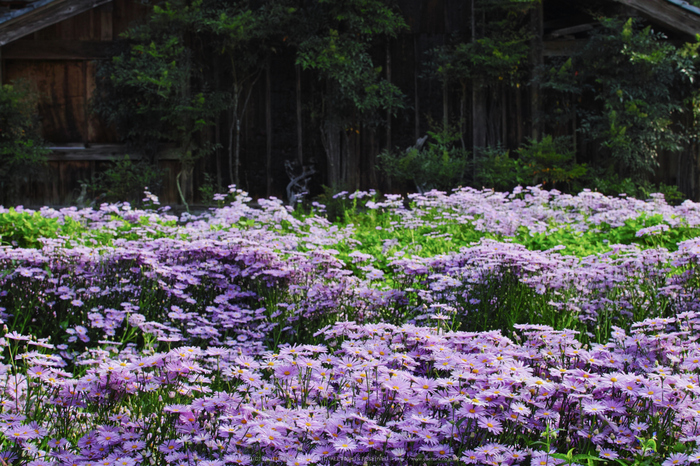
(41, 14)
(102, 153)
(97, 152)
(56, 50)
(572, 30)
(106, 22)
(672, 15)
(561, 48)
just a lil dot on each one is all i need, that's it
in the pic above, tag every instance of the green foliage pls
(489, 60)
(22, 154)
(439, 164)
(492, 53)
(334, 40)
(246, 37)
(379, 233)
(597, 241)
(22, 229)
(610, 183)
(156, 89)
(125, 181)
(496, 169)
(208, 190)
(354, 82)
(626, 87)
(550, 161)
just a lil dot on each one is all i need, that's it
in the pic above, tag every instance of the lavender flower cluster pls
(373, 391)
(244, 336)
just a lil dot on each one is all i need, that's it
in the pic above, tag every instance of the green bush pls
(22, 152)
(611, 184)
(496, 169)
(125, 181)
(439, 164)
(549, 162)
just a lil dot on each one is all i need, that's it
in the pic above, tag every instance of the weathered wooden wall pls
(60, 59)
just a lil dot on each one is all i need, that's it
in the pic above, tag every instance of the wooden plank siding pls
(48, 15)
(56, 49)
(59, 58)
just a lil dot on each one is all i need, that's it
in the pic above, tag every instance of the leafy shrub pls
(125, 181)
(496, 169)
(23, 229)
(440, 164)
(549, 162)
(624, 90)
(610, 183)
(22, 153)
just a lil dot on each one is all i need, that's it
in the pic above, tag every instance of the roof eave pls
(40, 14)
(675, 15)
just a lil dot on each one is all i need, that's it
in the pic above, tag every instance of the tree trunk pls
(345, 161)
(519, 114)
(217, 153)
(368, 141)
(217, 130)
(494, 118)
(183, 180)
(445, 85)
(573, 127)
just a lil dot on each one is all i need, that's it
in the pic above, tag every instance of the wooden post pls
(300, 146)
(573, 125)
(537, 60)
(445, 106)
(268, 129)
(504, 117)
(478, 104)
(90, 86)
(445, 85)
(416, 61)
(519, 114)
(106, 22)
(86, 97)
(388, 110)
(217, 129)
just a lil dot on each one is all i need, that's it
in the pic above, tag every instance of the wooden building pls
(55, 44)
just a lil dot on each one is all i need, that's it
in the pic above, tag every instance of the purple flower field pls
(259, 335)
